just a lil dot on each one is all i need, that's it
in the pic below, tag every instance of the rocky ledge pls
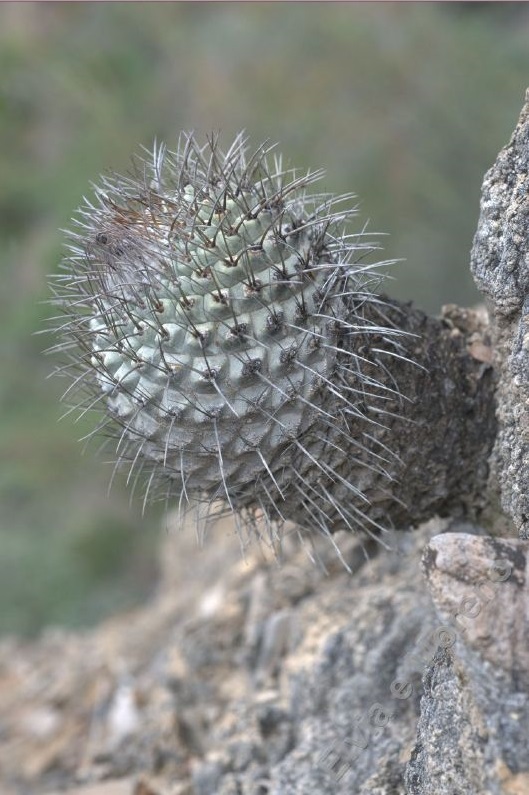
(371, 670)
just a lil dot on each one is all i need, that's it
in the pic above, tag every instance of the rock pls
(450, 753)
(481, 591)
(500, 266)
(479, 585)
(303, 681)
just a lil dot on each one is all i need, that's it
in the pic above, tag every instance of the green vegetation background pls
(406, 104)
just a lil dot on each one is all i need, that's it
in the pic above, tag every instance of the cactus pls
(232, 331)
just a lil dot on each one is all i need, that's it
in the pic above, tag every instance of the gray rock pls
(450, 756)
(500, 266)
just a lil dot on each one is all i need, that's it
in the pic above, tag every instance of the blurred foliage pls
(407, 104)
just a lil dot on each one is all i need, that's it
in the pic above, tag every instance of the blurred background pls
(405, 104)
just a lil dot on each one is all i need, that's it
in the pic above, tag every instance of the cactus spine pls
(228, 325)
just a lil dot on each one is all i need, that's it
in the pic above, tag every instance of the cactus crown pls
(204, 302)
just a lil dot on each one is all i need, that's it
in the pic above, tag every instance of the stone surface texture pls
(248, 675)
(500, 266)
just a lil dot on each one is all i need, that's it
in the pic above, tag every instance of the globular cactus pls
(232, 331)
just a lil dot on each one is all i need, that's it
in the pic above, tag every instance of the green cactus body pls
(207, 297)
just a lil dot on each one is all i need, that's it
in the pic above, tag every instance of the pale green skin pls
(215, 412)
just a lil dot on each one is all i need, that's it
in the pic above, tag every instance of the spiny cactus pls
(228, 325)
